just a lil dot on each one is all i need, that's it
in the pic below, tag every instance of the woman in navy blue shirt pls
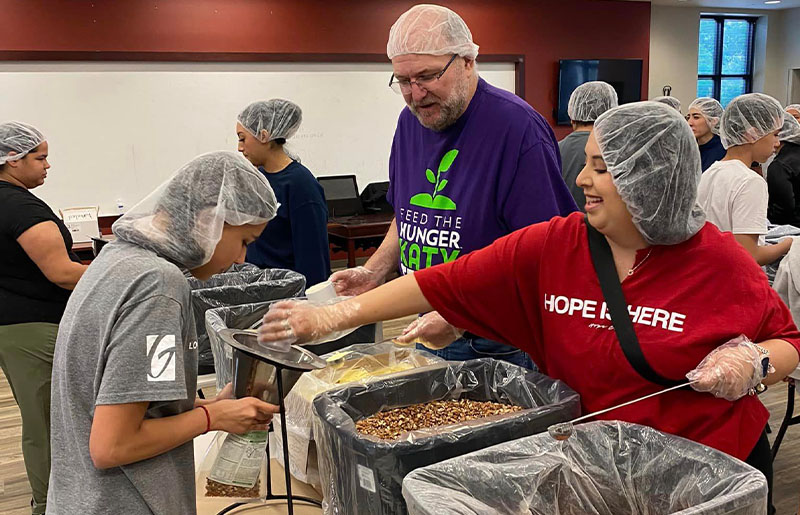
(703, 117)
(297, 238)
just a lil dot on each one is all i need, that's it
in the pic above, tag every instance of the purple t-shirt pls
(496, 170)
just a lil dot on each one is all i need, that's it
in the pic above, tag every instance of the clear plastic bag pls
(233, 467)
(604, 468)
(247, 315)
(356, 364)
(364, 474)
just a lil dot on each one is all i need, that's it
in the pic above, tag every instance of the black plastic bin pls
(363, 474)
(245, 284)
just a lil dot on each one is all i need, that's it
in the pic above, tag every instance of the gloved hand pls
(291, 321)
(432, 331)
(730, 371)
(355, 281)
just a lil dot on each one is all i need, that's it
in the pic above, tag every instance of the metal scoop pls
(563, 430)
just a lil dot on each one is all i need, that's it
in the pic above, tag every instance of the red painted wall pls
(543, 30)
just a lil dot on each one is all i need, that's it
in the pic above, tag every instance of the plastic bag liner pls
(356, 364)
(363, 474)
(247, 285)
(244, 316)
(604, 468)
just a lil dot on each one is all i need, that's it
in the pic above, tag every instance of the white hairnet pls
(790, 131)
(654, 162)
(711, 110)
(670, 101)
(182, 219)
(20, 138)
(280, 118)
(590, 100)
(430, 29)
(796, 107)
(748, 118)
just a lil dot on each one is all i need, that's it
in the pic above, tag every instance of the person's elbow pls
(65, 276)
(104, 456)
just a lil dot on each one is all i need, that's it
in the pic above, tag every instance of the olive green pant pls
(26, 357)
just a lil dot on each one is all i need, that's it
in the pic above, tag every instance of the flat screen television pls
(625, 75)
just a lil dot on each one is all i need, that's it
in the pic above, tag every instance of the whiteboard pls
(117, 130)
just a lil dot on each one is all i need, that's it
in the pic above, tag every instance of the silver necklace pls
(632, 270)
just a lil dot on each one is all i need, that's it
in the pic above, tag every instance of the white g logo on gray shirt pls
(161, 357)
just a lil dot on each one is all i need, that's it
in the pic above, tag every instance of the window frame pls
(717, 76)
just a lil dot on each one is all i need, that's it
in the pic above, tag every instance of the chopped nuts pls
(390, 425)
(217, 489)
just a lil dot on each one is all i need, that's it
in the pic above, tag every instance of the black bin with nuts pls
(361, 473)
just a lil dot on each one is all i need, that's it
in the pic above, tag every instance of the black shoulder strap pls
(618, 308)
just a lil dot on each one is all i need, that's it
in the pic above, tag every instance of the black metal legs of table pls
(788, 419)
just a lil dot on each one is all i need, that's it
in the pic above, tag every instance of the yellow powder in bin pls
(357, 374)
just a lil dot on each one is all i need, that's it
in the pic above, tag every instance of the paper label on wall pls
(366, 478)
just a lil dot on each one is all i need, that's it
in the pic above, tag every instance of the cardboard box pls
(82, 223)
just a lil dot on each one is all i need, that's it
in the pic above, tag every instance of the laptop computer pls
(341, 195)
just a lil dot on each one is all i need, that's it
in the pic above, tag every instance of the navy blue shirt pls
(297, 238)
(711, 152)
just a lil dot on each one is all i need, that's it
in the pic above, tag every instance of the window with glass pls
(725, 58)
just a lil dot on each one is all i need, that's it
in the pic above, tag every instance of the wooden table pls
(345, 231)
(85, 249)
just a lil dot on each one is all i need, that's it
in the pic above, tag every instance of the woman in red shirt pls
(689, 289)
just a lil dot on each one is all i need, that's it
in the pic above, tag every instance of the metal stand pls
(788, 418)
(288, 497)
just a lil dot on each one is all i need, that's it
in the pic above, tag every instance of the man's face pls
(795, 113)
(438, 104)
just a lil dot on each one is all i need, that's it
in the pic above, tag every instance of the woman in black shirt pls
(37, 273)
(783, 176)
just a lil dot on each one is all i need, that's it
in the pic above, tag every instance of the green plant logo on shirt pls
(437, 200)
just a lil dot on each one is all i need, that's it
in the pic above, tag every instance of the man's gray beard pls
(449, 111)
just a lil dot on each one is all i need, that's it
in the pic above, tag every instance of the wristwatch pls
(767, 368)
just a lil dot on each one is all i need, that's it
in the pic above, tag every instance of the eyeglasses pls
(423, 81)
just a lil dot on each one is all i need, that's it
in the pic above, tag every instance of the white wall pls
(118, 130)
(674, 46)
(791, 52)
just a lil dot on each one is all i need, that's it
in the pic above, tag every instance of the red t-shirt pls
(537, 290)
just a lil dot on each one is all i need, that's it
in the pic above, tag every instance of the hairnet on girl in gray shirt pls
(182, 219)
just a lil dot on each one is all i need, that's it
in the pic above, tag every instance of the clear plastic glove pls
(432, 331)
(730, 371)
(289, 322)
(355, 281)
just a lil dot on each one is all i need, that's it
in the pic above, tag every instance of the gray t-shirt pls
(127, 336)
(573, 159)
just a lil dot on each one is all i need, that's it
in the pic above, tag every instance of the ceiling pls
(728, 4)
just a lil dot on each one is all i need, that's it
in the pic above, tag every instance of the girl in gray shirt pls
(124, 411)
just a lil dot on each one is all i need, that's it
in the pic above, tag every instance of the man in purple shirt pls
(470, 163)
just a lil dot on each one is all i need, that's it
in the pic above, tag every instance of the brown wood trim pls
(233, 57)
(215, 57)
(105, 223)
(519, 87)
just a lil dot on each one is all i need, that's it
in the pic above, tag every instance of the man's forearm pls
(385, 259)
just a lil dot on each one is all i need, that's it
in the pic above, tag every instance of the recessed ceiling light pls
(770, 2)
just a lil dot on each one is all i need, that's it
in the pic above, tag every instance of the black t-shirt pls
(783, 179)
(26, 295)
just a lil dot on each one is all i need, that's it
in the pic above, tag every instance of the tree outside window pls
(725, 58)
